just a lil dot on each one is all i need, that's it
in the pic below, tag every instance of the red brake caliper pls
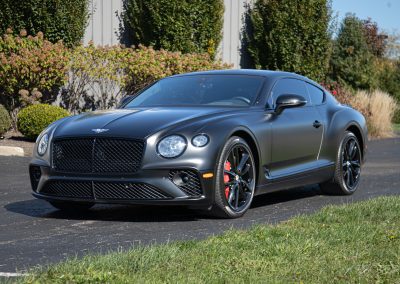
(227, 167)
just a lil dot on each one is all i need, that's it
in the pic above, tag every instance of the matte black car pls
(208, 140)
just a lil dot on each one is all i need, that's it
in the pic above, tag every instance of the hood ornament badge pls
(100, 130)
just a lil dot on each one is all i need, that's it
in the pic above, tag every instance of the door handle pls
(317, 124)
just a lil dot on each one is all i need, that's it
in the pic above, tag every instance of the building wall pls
(103, 28)
(103, 24)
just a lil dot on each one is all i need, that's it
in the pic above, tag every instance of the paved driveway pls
(32, 232)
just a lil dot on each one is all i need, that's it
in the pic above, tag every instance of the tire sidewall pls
(220, 199)
(339, 166)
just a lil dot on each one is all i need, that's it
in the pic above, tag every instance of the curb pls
(11, 151)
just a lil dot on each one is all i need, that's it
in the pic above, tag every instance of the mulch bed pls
(15, 139)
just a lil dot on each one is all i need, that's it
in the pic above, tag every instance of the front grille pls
(81, 190)
(97, 155)
(193, 186)
(104, 190)
(130, 191)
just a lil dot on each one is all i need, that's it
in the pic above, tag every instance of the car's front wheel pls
(71, 206)
(348, 167)
(235, 179)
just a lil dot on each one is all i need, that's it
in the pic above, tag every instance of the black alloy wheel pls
(236, 179)
(348, 167)
(351, 162)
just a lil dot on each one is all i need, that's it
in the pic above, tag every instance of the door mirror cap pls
(124, 100)
(289, 101)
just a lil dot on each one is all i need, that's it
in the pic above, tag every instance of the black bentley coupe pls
(208, 140)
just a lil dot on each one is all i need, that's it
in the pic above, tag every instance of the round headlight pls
(200, 140)
(171, 146)
(43, 144)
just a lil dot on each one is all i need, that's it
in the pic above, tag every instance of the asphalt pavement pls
(33, 233)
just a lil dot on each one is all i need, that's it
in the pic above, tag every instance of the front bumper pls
(155, 187)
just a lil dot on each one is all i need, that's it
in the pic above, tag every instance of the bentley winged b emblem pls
(100, 130)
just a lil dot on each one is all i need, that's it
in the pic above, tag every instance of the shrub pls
(96, 78)
(176, 25)
(5, 120)
(291, 35)
(59, 20)
(341, 93)
(352, 62)
(99, 76)
(146, 65)
(32, 69)
(378, 108)
(389, 80)
(32, 120)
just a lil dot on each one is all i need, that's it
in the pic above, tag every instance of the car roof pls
(251, 72)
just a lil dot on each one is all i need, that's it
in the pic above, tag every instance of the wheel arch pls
(353, 128)
(250, 140)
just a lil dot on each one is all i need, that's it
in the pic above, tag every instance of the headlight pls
(171, 146)
(200, 140)
(43, 144)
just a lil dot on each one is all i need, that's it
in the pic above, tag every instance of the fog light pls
(180, 178)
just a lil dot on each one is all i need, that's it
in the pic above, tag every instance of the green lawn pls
(356, 243)
(396, 127)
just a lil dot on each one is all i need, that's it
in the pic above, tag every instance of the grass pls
(396, 127)
(356, 243)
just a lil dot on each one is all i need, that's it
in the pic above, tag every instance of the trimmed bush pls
(291, 35)
(64, 20)
(176, 25)
(5, 120)
(378, 108)
(32, 70)
(33, 119)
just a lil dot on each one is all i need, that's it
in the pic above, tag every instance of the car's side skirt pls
(312, 176)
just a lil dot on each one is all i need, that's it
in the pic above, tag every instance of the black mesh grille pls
(68, 189)
(35, 174)
(73, 155)
(193, 186)
(132, 191)
(99, 155)
(104, 190)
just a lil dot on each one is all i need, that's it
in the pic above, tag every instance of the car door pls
(296, 132)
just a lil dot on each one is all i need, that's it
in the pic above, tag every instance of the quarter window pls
(316, 94)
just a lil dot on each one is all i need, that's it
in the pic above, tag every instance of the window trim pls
(270, 95)
(323, 93)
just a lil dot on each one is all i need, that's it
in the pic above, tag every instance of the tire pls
(347, 169)
(72, 206)
(235, 180)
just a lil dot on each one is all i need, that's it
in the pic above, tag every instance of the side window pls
(288, 86)
(316, 94)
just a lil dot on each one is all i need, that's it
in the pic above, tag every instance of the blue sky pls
(385, 12)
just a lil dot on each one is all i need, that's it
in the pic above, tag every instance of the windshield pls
(199, 90)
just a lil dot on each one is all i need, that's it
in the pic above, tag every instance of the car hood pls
(133, 123)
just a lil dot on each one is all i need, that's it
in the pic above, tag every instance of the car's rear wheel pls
(235, 179)
(348, 167)
(71, 206)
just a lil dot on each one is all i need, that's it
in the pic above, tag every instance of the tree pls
(175, 25)
(352, 61)
(291, 35)
(376, 40)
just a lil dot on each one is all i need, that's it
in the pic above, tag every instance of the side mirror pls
(289, 101)
(123, 101)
